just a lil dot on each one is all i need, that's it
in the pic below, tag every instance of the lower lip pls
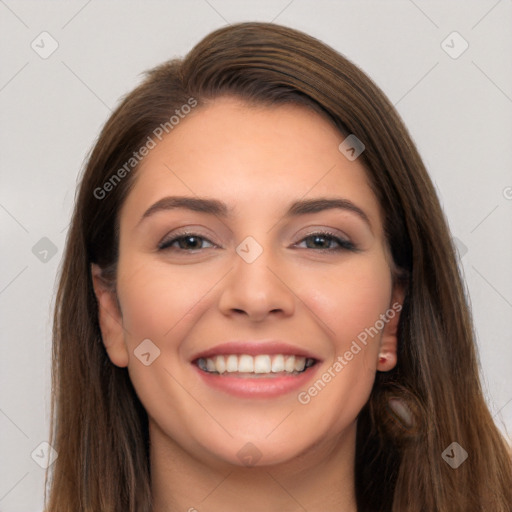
(258, 387)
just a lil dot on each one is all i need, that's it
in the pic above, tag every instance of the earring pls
(382, 359)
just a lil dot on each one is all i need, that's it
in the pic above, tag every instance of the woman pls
(260, 306)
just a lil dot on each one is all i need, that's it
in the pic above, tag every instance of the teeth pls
(278, 364)
(220, 364)
(245, 364)
(231, 364)
(289, 363)
(300, 363)
(262, 363)
(210, 365)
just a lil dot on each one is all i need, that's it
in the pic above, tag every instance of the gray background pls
(458, 111)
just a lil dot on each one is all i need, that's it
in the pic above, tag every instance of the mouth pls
(269, 366)
(262, 376)
(255, 368)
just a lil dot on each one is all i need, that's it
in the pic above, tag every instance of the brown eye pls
(323, 241)
(188, 242)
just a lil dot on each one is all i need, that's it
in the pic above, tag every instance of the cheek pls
(351, 298)
(160, 304)
(155, 300)
(349, 307)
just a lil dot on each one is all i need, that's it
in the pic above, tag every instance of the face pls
(277, 274)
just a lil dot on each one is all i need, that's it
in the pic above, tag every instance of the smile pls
(262, 376)
(262, 364)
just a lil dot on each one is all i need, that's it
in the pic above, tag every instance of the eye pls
(322, 240)
(186, 242)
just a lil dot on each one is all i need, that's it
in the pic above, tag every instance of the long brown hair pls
(99, 427)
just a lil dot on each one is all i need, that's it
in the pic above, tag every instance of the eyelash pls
(344, 245)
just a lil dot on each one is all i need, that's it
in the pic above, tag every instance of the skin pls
(257, 160)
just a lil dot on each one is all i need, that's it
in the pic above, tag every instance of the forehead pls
(256, 159)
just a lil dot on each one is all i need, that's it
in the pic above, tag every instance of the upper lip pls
(254, 348)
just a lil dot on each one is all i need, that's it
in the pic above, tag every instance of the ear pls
(387, 358)
(110, 319)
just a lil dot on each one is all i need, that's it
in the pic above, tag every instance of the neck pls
(319, 480)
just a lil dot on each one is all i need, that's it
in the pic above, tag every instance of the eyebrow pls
(221, 209)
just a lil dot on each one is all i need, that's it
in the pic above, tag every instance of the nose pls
(257, 289)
